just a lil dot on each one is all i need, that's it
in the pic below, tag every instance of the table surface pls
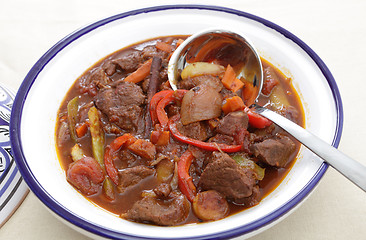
(334, 29)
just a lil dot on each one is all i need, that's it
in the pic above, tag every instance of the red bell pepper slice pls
(154, 103)
(110, 150)
(109, 165)
(160, 110)
(169, 98)
(185, 182)
(209, 146)
(256, 120)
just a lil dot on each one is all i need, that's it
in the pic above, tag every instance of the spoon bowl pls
(228, 47)
(223, 47)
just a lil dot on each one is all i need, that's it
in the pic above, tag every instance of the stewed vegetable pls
(135, 147)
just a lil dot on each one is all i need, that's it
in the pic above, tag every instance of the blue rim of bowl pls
(101, 231)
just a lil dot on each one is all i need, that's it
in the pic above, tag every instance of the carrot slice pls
(249, 93)
(236, 85)
(160, 138)
(230, 81)
(142, 72)
(164, 47)
(233, 104)
(229, 77)
(81, 129)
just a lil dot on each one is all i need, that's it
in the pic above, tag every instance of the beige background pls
(335, 30)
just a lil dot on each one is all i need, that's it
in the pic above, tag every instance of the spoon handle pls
(350, 168)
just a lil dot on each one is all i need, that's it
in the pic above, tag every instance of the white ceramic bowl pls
(39, 97)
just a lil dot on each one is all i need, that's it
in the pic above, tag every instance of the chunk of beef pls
(260, 134)
(172, 110)
(209, 80)
(187, 83)
(151, 51)
(126, 159)
(196, 130)
(274, 152)
(129, 62)
(129, 177)
(122, 105)
(163, 190)
(253, 199)
(130, 93)
(232, 123)
(242, 137)
(90, 82)
(164, 73)
(290, 113)
(201, 157)
(172, 150)
(226, 93)
(109, 68)
(110, 128)
(167, 212)
(222, 138)
(224, 175)
(145, 84)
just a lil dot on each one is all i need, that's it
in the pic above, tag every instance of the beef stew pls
(138, 149)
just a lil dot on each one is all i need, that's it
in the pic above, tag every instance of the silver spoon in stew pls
(222, 46)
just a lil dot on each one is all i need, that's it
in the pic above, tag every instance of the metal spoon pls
(229, 40)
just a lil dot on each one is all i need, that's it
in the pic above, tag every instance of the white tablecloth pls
(335, 30)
